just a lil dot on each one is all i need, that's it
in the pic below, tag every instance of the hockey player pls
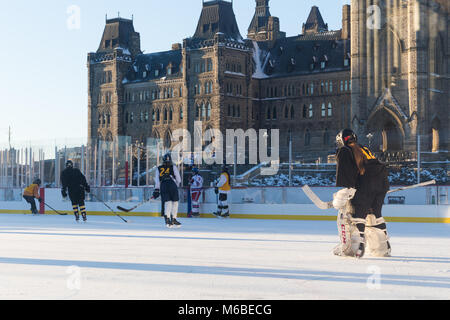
(32, 192)
(223, 189)
(196, 185)
(167, 181)
(364, 180)
(75, 183)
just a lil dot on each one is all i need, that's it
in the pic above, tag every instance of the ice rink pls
(52, 257)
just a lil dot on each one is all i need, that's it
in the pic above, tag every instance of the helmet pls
(195, 170)
(167, 158)
(69, 164)
(37, 181)
(345, 137)
(225, 168)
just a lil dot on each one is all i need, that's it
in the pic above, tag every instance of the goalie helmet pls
(69, 164)
(345, 137)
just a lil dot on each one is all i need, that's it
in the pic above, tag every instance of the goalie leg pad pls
(377, 237)
(349, 235)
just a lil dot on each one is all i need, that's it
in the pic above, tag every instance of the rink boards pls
(392, 213)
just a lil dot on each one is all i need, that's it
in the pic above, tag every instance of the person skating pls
(167, 181)
(223, 189)
(364, 180)
(74, 182)
(31, 193)
(196, 186)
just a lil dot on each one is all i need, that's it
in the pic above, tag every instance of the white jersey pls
(197, 182)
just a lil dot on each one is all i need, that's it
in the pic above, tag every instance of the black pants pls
(32, 202)
(77, 198)
(169, 191)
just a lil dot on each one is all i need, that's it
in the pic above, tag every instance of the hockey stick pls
(329, 205)
(109, 208)
(414, 186)
(136, 206)
(60, 213)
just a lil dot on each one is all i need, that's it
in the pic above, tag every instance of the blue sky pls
(43, 83)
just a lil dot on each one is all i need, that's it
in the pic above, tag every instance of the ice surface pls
(52, 257)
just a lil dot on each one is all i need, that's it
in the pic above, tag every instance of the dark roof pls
(217, 17)
(149, 63)
(295, 55)
(315, 20)
(118, 33)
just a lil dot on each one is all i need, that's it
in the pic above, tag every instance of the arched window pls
(330, 109)
(234, 111)
(286, 112)
(181, 113)
(197, 112)
(208, 111)
(305, 111)
(158, 115)
(165, 115)
(203, 111)
(268, 114)
(170, 114)
(239, 111)
(274, 114)
(311, 111)
(292, 112)
(323, 110)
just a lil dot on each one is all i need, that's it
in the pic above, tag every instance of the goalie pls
(362, 228)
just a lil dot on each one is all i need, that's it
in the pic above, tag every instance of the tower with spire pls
(264, 26)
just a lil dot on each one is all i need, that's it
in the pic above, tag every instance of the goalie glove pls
(343, 196)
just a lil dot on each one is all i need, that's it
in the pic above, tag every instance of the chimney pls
(346, 22)
(176, 46)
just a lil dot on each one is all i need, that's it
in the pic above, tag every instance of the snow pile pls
(259, 70)
(404, 177)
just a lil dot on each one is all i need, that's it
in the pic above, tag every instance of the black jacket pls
(73, 180)
(375, 178)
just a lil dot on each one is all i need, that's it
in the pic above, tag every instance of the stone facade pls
(308, 86)
(400, 74)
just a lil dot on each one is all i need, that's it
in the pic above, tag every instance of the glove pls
(216, 190)
(64, 193)
(343, 196)
(156, 194)
(87, 188)
(40, 200)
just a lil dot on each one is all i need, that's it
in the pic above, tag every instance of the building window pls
(307, 138)
(311, 111)
(208, 111)
(305, 112)
(181, 113)
(330, 109)
(209, 64)
(274, 114)
(292, 112)
(326, 138)
(323, 110)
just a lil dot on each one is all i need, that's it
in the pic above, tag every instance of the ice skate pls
(176, 223)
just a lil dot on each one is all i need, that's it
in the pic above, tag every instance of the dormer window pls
(156, 73)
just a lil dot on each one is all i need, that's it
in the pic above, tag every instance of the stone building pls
(400, 77)
(308, 86)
